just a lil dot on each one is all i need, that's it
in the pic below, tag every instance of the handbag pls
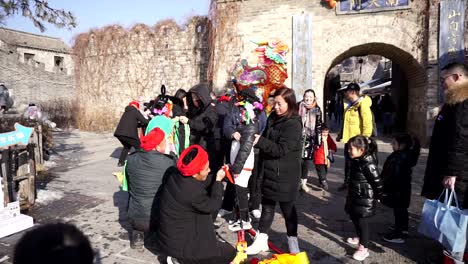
(454, 225)
(330, 156)
(445, 223)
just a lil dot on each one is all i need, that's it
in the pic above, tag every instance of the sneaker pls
(324, 185)
(361, 254)
(260, 244)
(352, 240)
(394, 237)
(236, 226)
(256, 213)
(304, 186)
(137, 241)
(235, 220)
(223, 212)
(392, 228)
(171, 260)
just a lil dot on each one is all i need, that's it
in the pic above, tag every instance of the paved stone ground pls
(81, 189)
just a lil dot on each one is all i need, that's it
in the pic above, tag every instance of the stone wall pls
(115, 65)
(46, 60)
(396, 35)
(28, 84)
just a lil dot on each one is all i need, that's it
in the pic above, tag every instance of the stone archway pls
(415, 75)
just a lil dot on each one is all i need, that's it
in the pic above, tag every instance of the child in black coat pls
(364, 188)
(396, 176)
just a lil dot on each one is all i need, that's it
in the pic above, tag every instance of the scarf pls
(309, 116)
(326, 150)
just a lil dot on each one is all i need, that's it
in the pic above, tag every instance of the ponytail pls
(367, 143)
(372, 147)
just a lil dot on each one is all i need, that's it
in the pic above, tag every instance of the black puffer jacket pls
(247, 133)
(448, 151)
(280, 157)
(396, 177)
(145, 171)
(185, 228)
(222, 109)
(364, 187)
(129, 123)
(202, 119)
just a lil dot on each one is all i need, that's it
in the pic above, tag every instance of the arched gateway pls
(411, 91)
(320, 38)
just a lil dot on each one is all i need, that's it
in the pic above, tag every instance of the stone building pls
(35, 68)
(324, 38)
(43, 52)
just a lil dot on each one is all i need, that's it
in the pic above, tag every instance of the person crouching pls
(185, 228)
(145, 170)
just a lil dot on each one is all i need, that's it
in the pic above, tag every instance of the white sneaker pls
(234, 227)
(223, 212)
(361, 253)
(256, 213)
(171, 260)
(293, 245)
(304, 186)
(260, 244)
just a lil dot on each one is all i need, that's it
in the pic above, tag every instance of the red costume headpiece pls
(196, 165)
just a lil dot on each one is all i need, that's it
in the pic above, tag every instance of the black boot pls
(138, 240)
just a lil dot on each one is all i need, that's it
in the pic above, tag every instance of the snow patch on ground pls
(47, 196)
(50, 164)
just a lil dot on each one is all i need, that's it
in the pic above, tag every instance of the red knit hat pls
(134, 103)
(152, 139)
(196, 165)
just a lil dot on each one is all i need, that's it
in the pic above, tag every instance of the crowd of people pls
(175, 175)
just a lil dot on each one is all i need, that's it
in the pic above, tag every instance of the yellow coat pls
(358, 124)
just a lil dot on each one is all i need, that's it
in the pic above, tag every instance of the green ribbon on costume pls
(124, 178)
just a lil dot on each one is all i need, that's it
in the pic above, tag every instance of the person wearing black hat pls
(357, 120)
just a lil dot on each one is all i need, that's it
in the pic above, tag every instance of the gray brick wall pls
(28, 84)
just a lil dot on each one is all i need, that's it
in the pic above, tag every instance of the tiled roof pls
(29, 40)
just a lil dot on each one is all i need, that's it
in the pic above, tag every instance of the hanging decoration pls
(271, 72)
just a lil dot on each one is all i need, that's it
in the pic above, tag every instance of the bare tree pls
(38, 11)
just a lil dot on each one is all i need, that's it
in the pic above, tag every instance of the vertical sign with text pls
(302, 54)
(451, 35)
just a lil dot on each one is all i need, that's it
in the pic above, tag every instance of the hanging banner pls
(20, 135)
(347, 7)
(302, 55)
(451, 35)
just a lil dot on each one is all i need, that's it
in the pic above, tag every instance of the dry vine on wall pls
(225, 42)
(114, 65)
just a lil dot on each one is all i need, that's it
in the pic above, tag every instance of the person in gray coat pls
(145, 170)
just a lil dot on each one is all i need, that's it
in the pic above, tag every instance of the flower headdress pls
(247, 110)
(166, 110)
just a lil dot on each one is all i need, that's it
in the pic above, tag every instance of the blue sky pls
(99, 13)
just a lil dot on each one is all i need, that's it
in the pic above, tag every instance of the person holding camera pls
(311, 116)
